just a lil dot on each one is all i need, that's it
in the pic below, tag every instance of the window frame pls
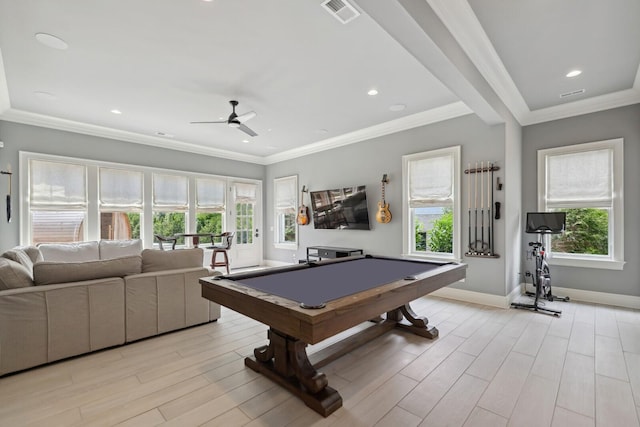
(407, 224)
(277, 243)
(615, 259)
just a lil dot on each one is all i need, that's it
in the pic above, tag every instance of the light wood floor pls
(489, 367)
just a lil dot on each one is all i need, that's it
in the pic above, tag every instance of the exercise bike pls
(542, 223)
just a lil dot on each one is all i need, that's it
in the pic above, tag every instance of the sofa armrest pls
(41, 324)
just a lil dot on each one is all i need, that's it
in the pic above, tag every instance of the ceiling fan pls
(237, 121)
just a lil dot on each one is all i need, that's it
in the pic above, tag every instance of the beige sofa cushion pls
(157, 260)
(110, 249)
(46, 273)
(70, 252)
(13, 275)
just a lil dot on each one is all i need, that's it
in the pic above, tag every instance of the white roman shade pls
(59, 185)
(285, 192)
(583, 178)
(120, 190)
(431, 181)
(245, 192)
(170, 192)
(210, 195)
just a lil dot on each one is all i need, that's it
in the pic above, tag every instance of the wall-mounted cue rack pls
(480, 202)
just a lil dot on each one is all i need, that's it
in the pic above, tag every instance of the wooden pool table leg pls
(419, 324)
(284, 360)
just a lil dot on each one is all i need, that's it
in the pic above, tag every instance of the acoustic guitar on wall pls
(303, 211)
(384, 214)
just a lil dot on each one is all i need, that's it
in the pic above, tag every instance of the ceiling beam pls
(418, 29)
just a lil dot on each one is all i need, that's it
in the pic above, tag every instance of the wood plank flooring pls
(489, 367)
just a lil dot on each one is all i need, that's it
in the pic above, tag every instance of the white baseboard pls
(274, 263)
(619, 300)
(476, 297)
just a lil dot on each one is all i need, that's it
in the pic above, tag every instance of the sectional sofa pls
(63, 300)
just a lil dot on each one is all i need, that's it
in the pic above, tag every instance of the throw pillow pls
(157, 260)
(70, 252)
(24, 255)
(13, 275)
(48, 273)
(110, 249)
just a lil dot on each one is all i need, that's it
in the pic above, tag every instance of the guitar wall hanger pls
(8, 172)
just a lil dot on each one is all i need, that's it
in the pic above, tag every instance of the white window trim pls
(92, 231)
(277, 244)
(407, 226)
(615, 261)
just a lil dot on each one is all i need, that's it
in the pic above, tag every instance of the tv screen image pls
(341, 208)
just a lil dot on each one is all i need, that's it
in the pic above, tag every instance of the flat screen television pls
(342, 208)
(545, 222)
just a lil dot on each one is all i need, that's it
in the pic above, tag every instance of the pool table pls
(306, 303)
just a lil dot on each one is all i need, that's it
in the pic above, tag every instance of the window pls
(65, 199)
(431, 213)
(57, 201)
(286, 230)
(120, 198)
(170, 204)
(210, 205)
(585, 181)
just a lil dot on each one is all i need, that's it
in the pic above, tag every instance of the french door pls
(245, 215)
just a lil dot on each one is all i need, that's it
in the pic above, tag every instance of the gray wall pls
(19, 137)
(365, 163)
(616, 123)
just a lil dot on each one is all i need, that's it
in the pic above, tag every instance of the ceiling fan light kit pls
(235, 120)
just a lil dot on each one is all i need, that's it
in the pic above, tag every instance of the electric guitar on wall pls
(384, 214)
(303, 211)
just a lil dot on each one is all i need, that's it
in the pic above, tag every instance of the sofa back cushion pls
(70, 252)
(48, 273)
(13, 275)
(110, 249)
(157, 260)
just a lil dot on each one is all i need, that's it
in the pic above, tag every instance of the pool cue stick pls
(491, 207)
(475, 204)
(469, 201)
(482, 207)
(489, 200)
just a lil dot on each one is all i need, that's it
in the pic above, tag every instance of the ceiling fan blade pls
(246, 116)
(246, 130)
(194, 123)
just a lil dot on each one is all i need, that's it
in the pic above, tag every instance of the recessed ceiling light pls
(372, 92)
(165, 135)
(116, 111)
(51, 41)
(246, 141)
(44, 95)
(574, 73)
(397, 107)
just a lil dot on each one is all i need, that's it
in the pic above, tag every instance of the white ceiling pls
(164, 63)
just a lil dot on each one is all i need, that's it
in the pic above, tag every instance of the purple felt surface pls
(319, 284)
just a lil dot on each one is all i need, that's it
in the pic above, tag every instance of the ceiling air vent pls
(341, 10)
(572, 93)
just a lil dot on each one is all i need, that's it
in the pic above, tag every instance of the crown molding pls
(24, 117)
(584, 106)
(439, 114)
(5, 104)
